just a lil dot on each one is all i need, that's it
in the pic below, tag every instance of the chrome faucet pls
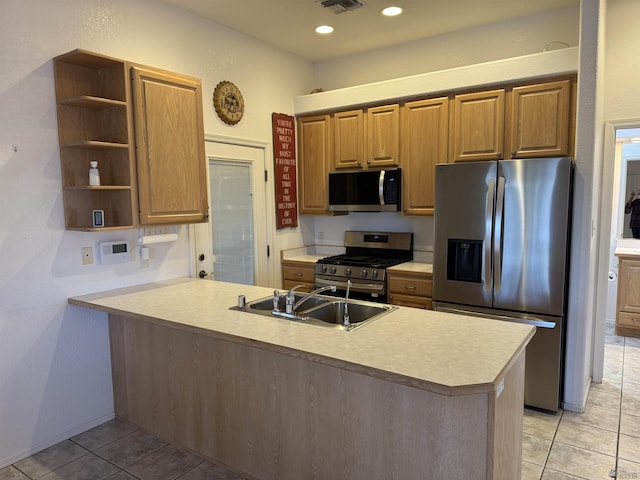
(294, 306)
(345, 319)
(289, 298)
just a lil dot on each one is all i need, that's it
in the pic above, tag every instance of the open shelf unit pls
(94, 123)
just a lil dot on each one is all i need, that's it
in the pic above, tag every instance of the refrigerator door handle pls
(497, 242)
(491, 192)
(381, 187)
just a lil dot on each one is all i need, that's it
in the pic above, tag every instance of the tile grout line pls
(624, 353)
(553, 439)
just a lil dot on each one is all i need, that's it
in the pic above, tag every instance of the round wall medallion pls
(228, 102)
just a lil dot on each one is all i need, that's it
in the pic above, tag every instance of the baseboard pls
(16, 457)
(579, 408)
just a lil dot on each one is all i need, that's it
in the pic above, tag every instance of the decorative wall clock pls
(228, 102)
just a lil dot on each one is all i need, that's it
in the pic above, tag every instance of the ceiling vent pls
(339, 6)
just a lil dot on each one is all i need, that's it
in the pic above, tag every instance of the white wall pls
(622, 95)
(513, 38)
(55, 378)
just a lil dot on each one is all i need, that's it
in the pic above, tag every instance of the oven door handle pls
(369, 287)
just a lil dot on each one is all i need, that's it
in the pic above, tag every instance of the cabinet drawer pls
(299, 274)
(629, 320)
(410, 285)
(410, 301)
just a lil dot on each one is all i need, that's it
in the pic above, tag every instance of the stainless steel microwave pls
(365, 191)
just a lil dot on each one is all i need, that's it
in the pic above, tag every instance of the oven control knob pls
(374, 274)
(347, 271)
(363, 273)
(333, 270)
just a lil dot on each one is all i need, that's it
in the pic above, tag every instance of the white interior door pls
(233, 246)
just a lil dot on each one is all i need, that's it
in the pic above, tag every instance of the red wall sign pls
(284, 155)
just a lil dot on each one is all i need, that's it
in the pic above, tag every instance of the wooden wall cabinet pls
(410, 289)
(525, 121)
(477, 126)
(172, 177)
(348, 139)
(539, 120)
(425, 139)
(367, 138)
(628, 306)
(314, 152)
(95, 112)
(383, 136)
(298, 273)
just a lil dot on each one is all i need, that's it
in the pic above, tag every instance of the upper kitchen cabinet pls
(348, 139)
(367, 138)
(383, 136)
(166, 182)
(314, 152)
(92, 93)
(539, 120)
(425, 138)
(172, 176)
(477, 126)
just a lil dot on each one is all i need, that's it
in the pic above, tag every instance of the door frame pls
(608, 234)
(197, 230)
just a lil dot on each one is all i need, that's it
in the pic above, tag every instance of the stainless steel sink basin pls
(333, 312)
(320, 310)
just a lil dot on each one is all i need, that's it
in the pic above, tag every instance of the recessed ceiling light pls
(324, 29)
(392, 11)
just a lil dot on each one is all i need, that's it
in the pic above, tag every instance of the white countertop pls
(412, 267)
(435, 351)
(627, 252)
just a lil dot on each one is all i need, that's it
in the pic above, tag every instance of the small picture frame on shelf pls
(98, 218)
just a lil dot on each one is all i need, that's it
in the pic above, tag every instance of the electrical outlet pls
(87, 255)
(161, 230)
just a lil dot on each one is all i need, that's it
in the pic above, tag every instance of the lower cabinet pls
(296, 273)
(410, 289)
(628, 308)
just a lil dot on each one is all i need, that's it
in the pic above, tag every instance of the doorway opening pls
(622, 145)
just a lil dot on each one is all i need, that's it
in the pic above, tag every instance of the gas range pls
(368, 255)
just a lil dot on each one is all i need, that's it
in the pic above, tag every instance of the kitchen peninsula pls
(413, 394)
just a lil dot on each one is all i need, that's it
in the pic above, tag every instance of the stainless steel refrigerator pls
(501, 250)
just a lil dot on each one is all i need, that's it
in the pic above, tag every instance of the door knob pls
(202, 274)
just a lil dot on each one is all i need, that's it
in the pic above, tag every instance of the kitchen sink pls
(333, 312)
(320, 310)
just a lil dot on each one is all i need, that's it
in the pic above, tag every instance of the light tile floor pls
(597, 444)
(601, 443)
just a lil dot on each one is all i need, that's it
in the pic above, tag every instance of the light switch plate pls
(87, 255)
